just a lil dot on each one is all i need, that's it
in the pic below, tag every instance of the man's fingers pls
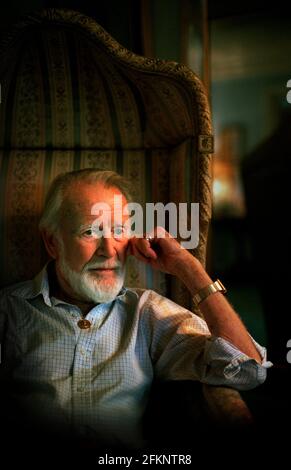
(139, 255)
(144, 247)
(147, 249)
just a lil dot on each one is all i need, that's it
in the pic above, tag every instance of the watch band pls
(203, 293)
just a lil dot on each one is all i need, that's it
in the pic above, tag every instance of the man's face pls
(91, 267)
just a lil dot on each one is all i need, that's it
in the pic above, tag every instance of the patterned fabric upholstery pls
(72, 98)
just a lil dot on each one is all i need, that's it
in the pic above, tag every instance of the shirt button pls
(84, 324)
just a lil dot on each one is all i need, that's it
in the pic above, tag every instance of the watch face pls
(222, 288)
(216, 286)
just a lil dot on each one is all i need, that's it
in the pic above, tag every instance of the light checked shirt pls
(97, 380)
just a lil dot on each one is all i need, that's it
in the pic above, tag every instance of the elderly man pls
(82, 350)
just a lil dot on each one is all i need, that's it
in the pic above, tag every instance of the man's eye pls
(88, 233)
(118, 231)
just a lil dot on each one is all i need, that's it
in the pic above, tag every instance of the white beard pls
(90, 286)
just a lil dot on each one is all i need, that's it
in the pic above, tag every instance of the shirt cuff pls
(230, 366)
(263, 353)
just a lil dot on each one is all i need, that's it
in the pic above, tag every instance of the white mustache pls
(96, 265)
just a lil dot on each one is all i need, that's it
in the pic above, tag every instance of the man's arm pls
(167, 255)
(219, 315)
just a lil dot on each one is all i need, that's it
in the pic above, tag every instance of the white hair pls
(58, 188)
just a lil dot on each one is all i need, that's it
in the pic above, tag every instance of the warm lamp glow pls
(227, 191)
(228, 198)
(221, 190)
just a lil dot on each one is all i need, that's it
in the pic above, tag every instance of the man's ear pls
(51, 243)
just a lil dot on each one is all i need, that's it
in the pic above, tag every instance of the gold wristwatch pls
(201, 295)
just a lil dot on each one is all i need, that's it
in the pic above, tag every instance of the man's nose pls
(106, 247)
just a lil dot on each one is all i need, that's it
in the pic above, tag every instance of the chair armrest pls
(226, 407)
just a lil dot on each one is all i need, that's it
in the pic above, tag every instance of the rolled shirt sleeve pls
(227, 365)
(182, 348)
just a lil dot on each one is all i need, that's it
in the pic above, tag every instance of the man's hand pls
(162, 251)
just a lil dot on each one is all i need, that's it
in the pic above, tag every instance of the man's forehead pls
(95, 208)
(83, 196)
(86, 209)
(82, 191)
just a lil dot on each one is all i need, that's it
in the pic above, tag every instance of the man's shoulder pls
(18, 289)
(153, 300)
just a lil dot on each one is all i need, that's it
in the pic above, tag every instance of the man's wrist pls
(212, 288)
(184, 262)
(191, 272)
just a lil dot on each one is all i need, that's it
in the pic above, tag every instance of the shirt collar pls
(40, 286)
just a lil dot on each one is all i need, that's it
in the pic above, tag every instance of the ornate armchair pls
(72, 97)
